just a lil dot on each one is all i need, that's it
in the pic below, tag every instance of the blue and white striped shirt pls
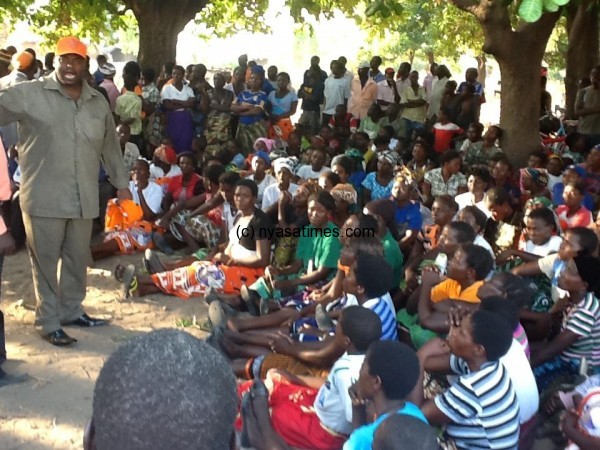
(387, 315)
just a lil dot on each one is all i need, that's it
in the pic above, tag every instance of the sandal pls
(152, 262)
(251, 299)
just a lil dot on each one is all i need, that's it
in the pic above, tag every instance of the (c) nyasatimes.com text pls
(306, 232)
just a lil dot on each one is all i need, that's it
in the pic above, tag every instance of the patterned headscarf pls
(539, 177)
(344, 192)
(354, 153)
(389, 156)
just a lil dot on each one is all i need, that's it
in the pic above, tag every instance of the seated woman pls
(164, 165)
(379, 184)
(504, 229)
(445, 180)
(282, 105)
(345, 202)
(578, 339)
(181, 188)
(316, 256)
(130, 230)
(242, 262)
(534, 183)
(260, 163)
(477, 183)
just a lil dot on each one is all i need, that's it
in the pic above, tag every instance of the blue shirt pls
(252, 98)
(379, 306)
(282, 105)
(362, 437)
(377, 191)
(408, 218)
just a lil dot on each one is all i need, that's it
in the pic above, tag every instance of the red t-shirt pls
(443, 135)
(194, 187)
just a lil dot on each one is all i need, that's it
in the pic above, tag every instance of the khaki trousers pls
(50, 240)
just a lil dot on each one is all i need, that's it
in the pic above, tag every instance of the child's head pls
(370, 277)
(504, 307)
(475, 132)
(343, 167)
(401, 189)
(403, 432)
(358, 328)
(390, 370)
(124, 133)
(443, 210)
(317, 159)
(211, 176)
(341, 111)
(227, 182)
(327, 180)
(578, 241)
(502, 170)
(320, 206)
(386, 162)
(581, 276)
(573, 174)
(420, 151)
(130, 81)
(574, 194)
(375, 112)
(479, 180)
(453, 235)
(482, 336)
(451, 161)
(537, 160)
(554, 166)
(507, 285)
(492, 134)
(497, 201)
(443, 115)
(384, 212)
(470, 263)
(473, 216)
(540, 225)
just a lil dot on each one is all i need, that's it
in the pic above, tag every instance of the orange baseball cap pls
(71, 45)
(22, 60)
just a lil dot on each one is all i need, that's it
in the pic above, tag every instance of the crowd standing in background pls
(379, 275)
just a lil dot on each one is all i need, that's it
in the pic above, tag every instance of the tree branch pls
(468, 5)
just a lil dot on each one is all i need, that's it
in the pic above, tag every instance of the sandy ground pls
(50, 410)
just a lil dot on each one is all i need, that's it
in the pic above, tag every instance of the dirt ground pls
(50, 410)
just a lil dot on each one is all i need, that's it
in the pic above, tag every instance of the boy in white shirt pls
(313, 412)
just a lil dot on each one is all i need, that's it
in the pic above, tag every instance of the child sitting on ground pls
(388, 375)
(480, 409)
(316, 167)
(316, 413)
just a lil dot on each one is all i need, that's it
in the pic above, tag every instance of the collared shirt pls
(129, 106)
(12, 79)
(386, 92)
(150, 93)
(62, 143)
(112, 91)
(362, 97)
(440, 187)
(417, 114)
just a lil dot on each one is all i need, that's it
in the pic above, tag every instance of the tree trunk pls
(582, 48)
(160, 23)
(519, 54)
(482, 69)
(411, 56)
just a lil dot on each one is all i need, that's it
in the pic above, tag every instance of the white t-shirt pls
(337, 91)
(156, 172)
(268, 180)
(479, 240)
(333, 405)
(517, 365)
(549, 247)
(271, 194)
(467, 199)
(170, 92)
(306, 172)
(153, 194)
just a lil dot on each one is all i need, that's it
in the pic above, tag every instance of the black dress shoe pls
(86, 321)
(59, 337)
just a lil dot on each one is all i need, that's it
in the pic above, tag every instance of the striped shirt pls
(387, 315)
(482, 406)
(584, 321)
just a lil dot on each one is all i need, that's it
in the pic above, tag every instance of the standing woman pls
(437, 92)
(218, 123)
(250, 107)
(178, 99)
(282, 105)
